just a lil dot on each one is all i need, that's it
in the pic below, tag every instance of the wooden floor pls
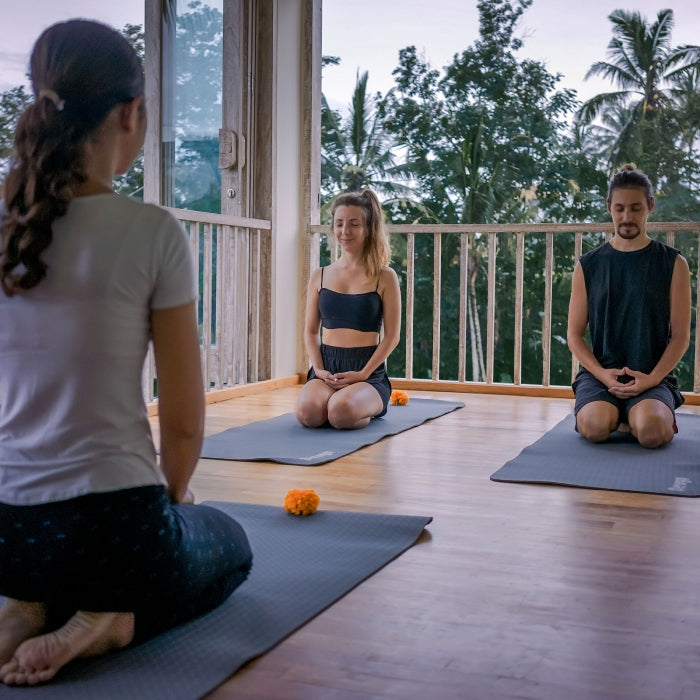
(514, 591)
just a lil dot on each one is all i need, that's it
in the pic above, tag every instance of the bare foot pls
(86, 634)
(19, 621)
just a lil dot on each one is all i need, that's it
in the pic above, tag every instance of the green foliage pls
(487, 141)
(12, 103)
(191, 161)
(480, 135)
(489, 138)
(131, 182)
(653, 117)
(133, 33)
(356, 151)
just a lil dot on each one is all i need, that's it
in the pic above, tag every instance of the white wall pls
(287, 188)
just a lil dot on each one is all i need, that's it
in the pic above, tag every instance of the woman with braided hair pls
(101, 546)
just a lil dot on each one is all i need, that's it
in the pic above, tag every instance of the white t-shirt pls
(72, 415)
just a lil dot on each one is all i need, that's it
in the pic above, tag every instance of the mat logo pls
(318, 455)
(680, 483)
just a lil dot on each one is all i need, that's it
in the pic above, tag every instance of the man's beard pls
(628, 231)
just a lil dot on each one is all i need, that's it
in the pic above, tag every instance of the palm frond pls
(660, 32)
(682, 60)
(616, 74)
(590, 109)
(359, 114)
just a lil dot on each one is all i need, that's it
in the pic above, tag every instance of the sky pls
(568, 35)
(24, 20)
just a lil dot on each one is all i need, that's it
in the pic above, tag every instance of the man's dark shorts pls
(588, 389)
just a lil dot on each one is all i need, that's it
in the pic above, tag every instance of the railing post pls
(518, 320)
(437, 280)
(410, 297)
(463, 299)
(696, 364)
(578, 250)
(547, 315)
(207, 250)
(491, 307)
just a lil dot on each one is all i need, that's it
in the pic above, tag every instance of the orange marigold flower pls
(399, 398)
(301, 501)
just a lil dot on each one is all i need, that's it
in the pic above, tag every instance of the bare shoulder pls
(388, 274)
(680, 264)
(315, 279)
(680, 279)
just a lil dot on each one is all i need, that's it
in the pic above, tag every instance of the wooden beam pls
(234, 392)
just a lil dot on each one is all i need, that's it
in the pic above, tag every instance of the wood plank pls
(522, 591)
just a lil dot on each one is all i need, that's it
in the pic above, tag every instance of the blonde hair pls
(376, 254)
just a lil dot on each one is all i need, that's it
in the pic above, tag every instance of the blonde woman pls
(348, 304)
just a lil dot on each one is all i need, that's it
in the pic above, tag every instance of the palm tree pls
(639, 121)
(686, 101)
(356, 151)
(612, 138)
(641, 61)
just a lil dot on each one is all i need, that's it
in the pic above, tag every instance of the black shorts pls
(588, 389)
(337, 359)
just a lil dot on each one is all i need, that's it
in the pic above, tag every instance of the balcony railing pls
(464, 290)
(231, 256)
(484, 306)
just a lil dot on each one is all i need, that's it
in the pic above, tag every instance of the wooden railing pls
(480, 257)
(231, 256)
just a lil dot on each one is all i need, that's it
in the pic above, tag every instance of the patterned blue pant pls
(122, 551)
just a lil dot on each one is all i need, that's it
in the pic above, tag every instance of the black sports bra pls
(360, 312)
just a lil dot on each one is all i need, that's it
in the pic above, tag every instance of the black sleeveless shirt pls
(629, 304)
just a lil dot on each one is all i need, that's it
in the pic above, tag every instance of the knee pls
(311, 414)
(340, 412)
(654, 434)
(594, 430)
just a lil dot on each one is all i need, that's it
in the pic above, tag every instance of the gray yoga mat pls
(301, 566)
(283, 439)
(564, 458)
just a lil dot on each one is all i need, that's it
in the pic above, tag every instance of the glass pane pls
(192, 69)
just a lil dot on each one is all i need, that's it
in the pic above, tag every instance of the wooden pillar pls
(153, 36)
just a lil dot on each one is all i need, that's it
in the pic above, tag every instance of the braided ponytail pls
(80, 70)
